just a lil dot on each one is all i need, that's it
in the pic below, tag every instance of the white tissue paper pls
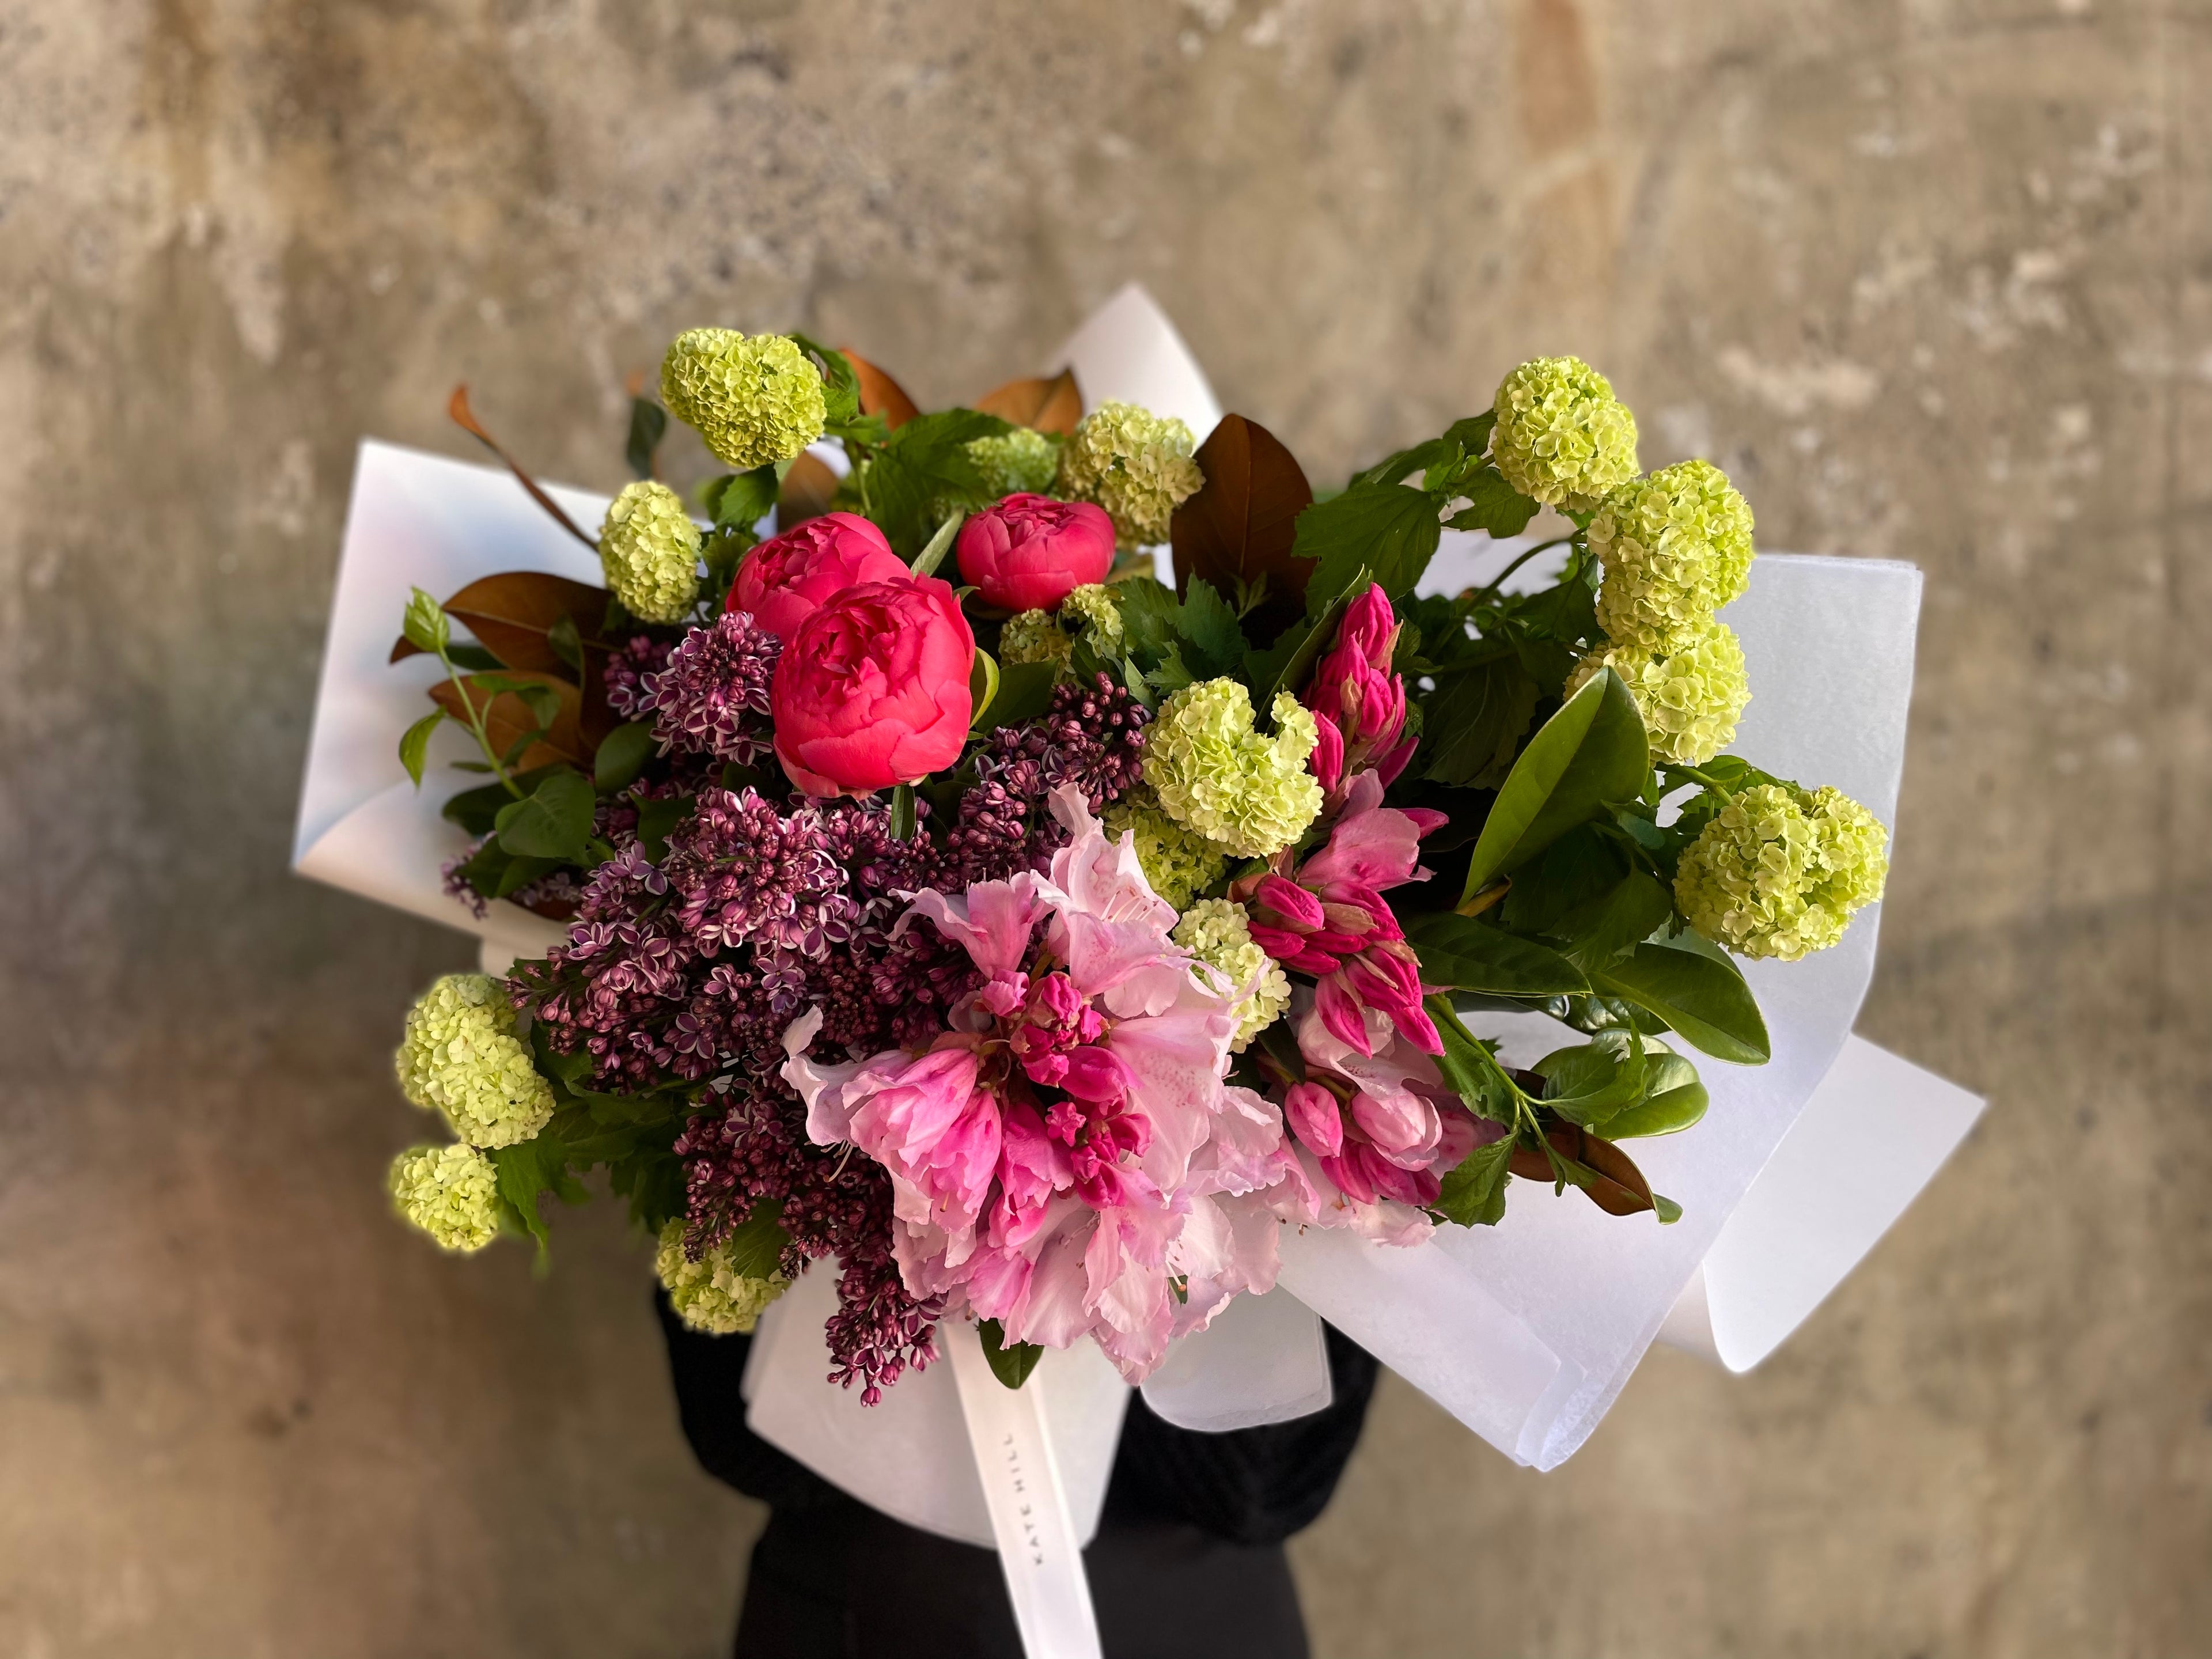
(1525, 1332)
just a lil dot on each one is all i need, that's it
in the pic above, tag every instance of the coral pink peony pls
(1067, 1159)
(1029, 552)
(786, 579)
(872, 689)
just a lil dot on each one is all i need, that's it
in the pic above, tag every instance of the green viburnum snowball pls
(1219, 934)
(1562, 437)
(1215, 773)
(649, 549)
(754, 399)
(1033, 636)
(460, 1058)
(708, 1294)
(1134, 464)
(1179, 863)
(451, 1192)
(1092, 606)
(1779, 871)
(1691, 698)
(1020, 462)
(1676, 547)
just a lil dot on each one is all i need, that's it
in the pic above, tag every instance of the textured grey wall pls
(1932, 278)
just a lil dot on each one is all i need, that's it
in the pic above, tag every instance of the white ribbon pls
(1037, 1547)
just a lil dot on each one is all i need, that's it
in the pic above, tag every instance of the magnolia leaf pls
(1465, 954)
(514, 613)
(1011, 1364)
(1704, 998)
(807, 491)
(1591, 754)
(880, 393)
(508, 717)
(1054, 405)
(1588, 1084)
(1633, 909)
(1242, 525)
(1674, 1099)
(1607, 1177)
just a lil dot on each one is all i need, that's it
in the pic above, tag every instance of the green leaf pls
(924, 468)
(554, 821)
(983, 683)
(534, 1166)
(1631, 911)
(903, 814)
(415, 744)
(657, 819)
(1472, 433)
(1386, 529)
(1024, 692)
(1473, 1195)
(1468, 954)
(1010, 1366)
(1208, 623)
(1493, 505)
(568, 645)
(939, 544)
(1587, 1085)
(755, 1247)
(746, 498)
(1674, 1099)
(622, 756)
(1589, 756)
(1285, 665)
(1474, 721)
(647, 421)
(474, 658)
(840, 385)
(424, 622)
(1665, 1209)
(1703, 999)
(1468, 1067)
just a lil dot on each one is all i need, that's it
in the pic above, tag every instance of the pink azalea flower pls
(1067, 1159)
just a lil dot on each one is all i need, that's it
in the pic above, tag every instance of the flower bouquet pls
(931, 904)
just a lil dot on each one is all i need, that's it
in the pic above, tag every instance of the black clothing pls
(1188, 1558)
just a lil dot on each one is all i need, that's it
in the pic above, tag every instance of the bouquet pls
(908, 875)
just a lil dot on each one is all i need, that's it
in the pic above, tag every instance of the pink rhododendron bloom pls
(788, 577)
(1328, 918)
(1029, 552)
(872, 691)
(1357, 702)
(1067, 1158)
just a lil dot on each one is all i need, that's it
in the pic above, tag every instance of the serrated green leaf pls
(415, 744)
(840, 385)
(1589, 756)
(1468, 954)
(1473, 1195)
(1386, 529)
(755, 1247)
(529, 1169)
(1634, 908)
(1703, 999)
(746, 498)
(926, 463)
(554, 821)
(1474, 722)
(1209, 628)
(1011, 1364)
(1494, 504)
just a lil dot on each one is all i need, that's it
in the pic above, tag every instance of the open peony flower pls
(873, 690)
(1067, 1158)
(788, 577)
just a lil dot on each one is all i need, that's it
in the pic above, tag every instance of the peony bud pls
(1029, 552)
(786, 579)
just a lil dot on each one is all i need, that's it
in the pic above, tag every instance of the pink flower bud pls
(786, 578)
(1029, 552)
(1314, 1117)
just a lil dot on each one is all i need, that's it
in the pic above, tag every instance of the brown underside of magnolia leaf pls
(880, 393)
(506, 717)
(511, 613)
(1620, 1187)
(1242, 525)
(807, 491)
(1043, 405)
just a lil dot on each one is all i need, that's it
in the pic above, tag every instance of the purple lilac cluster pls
(710, 697)
(687, 972)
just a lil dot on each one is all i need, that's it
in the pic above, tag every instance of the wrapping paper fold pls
(1526, 1332)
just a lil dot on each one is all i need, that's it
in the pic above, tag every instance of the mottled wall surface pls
(1931, 278)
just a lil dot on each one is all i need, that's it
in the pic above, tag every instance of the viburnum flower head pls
(1029, 552)
(710, 1294)
(754, 400)
(872, 691)
(1092, 606)
(1219, 933)
(1676, 546)
(649, 549)
(1179, 864)
(1067, 1158)
(452, 1193)
(788, 577)
(1561, 438)
(1134, 464)
(1020, 462)
(1691, 698)
(461, 1059)
(1033, 636)
(1215, 773)
(1779, 871)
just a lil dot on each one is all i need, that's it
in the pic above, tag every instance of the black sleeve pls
(1250, 1485)
(706, 1370)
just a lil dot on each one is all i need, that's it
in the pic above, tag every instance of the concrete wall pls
(1931, 278)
